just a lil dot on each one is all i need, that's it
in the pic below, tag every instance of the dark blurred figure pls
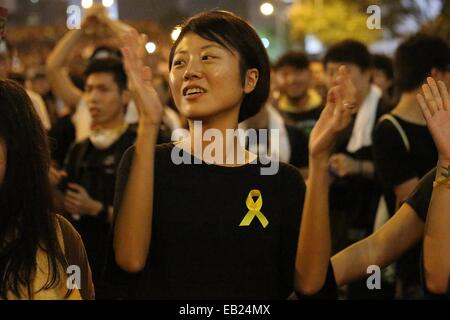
(6, 57)
(383, 76)
(403, 147)
(36, 81)
(318, 80)
(355, 192)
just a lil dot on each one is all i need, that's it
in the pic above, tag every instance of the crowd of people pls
(87, 175)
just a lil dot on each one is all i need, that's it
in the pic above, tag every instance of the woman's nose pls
(193, 70)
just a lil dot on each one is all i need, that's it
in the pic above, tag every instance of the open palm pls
(140, 80)
(435, 106)
(335, 117)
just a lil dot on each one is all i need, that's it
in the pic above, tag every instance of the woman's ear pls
(251, 79)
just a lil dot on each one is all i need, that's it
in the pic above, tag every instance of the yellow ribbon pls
(254, 210)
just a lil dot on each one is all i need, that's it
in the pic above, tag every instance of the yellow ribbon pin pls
(254, 210)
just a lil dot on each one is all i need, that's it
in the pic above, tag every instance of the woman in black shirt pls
(194, 227)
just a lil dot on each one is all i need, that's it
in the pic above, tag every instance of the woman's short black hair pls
(416, 56)
(233, 33)
(349, 51)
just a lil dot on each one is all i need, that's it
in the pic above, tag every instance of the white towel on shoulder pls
(365, 121)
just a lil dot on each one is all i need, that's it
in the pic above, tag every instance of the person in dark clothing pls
(299, 103)
(383, 76)
(209, 229)
(355, 192)
(403, 148)
(91, 165)
(422, 217)
(62, 136)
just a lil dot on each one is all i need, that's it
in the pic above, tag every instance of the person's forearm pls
(65, 46)
(118, 27)
(437, 236)
(58, 76)
(134, 222)
(314, 247)
(352, 263)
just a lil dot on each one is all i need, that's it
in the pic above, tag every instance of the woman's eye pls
(206, 57)
(177, 62)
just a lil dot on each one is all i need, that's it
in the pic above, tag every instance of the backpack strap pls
(399, 128)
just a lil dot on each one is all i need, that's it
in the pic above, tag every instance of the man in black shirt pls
(299, 103)
(355, 193)
(91, 164)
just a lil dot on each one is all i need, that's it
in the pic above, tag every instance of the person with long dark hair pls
(36, 246)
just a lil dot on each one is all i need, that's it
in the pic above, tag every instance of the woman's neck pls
(215, 140)
(408, 108)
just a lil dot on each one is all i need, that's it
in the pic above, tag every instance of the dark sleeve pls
(76, 255)
(122, 178)
(420, 198)
(329, 290)
(393, 163)
(293, 194)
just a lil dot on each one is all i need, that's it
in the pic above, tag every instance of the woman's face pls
(2, 160)
(205, 79)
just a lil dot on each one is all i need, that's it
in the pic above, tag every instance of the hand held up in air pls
(335, 117)
(140, 80)
(435, 106)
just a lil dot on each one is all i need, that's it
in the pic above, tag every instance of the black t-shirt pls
(394, 164)
(304, 121)
(62, 136)
(420, 198)
(298, 141)
(96, 170)
(198, 250)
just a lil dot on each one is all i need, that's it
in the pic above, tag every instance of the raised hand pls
(94, 19)
(335, 117)
(435, 106)
(140, 79)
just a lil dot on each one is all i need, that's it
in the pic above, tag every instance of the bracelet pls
(444, 179)
(442, 182)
